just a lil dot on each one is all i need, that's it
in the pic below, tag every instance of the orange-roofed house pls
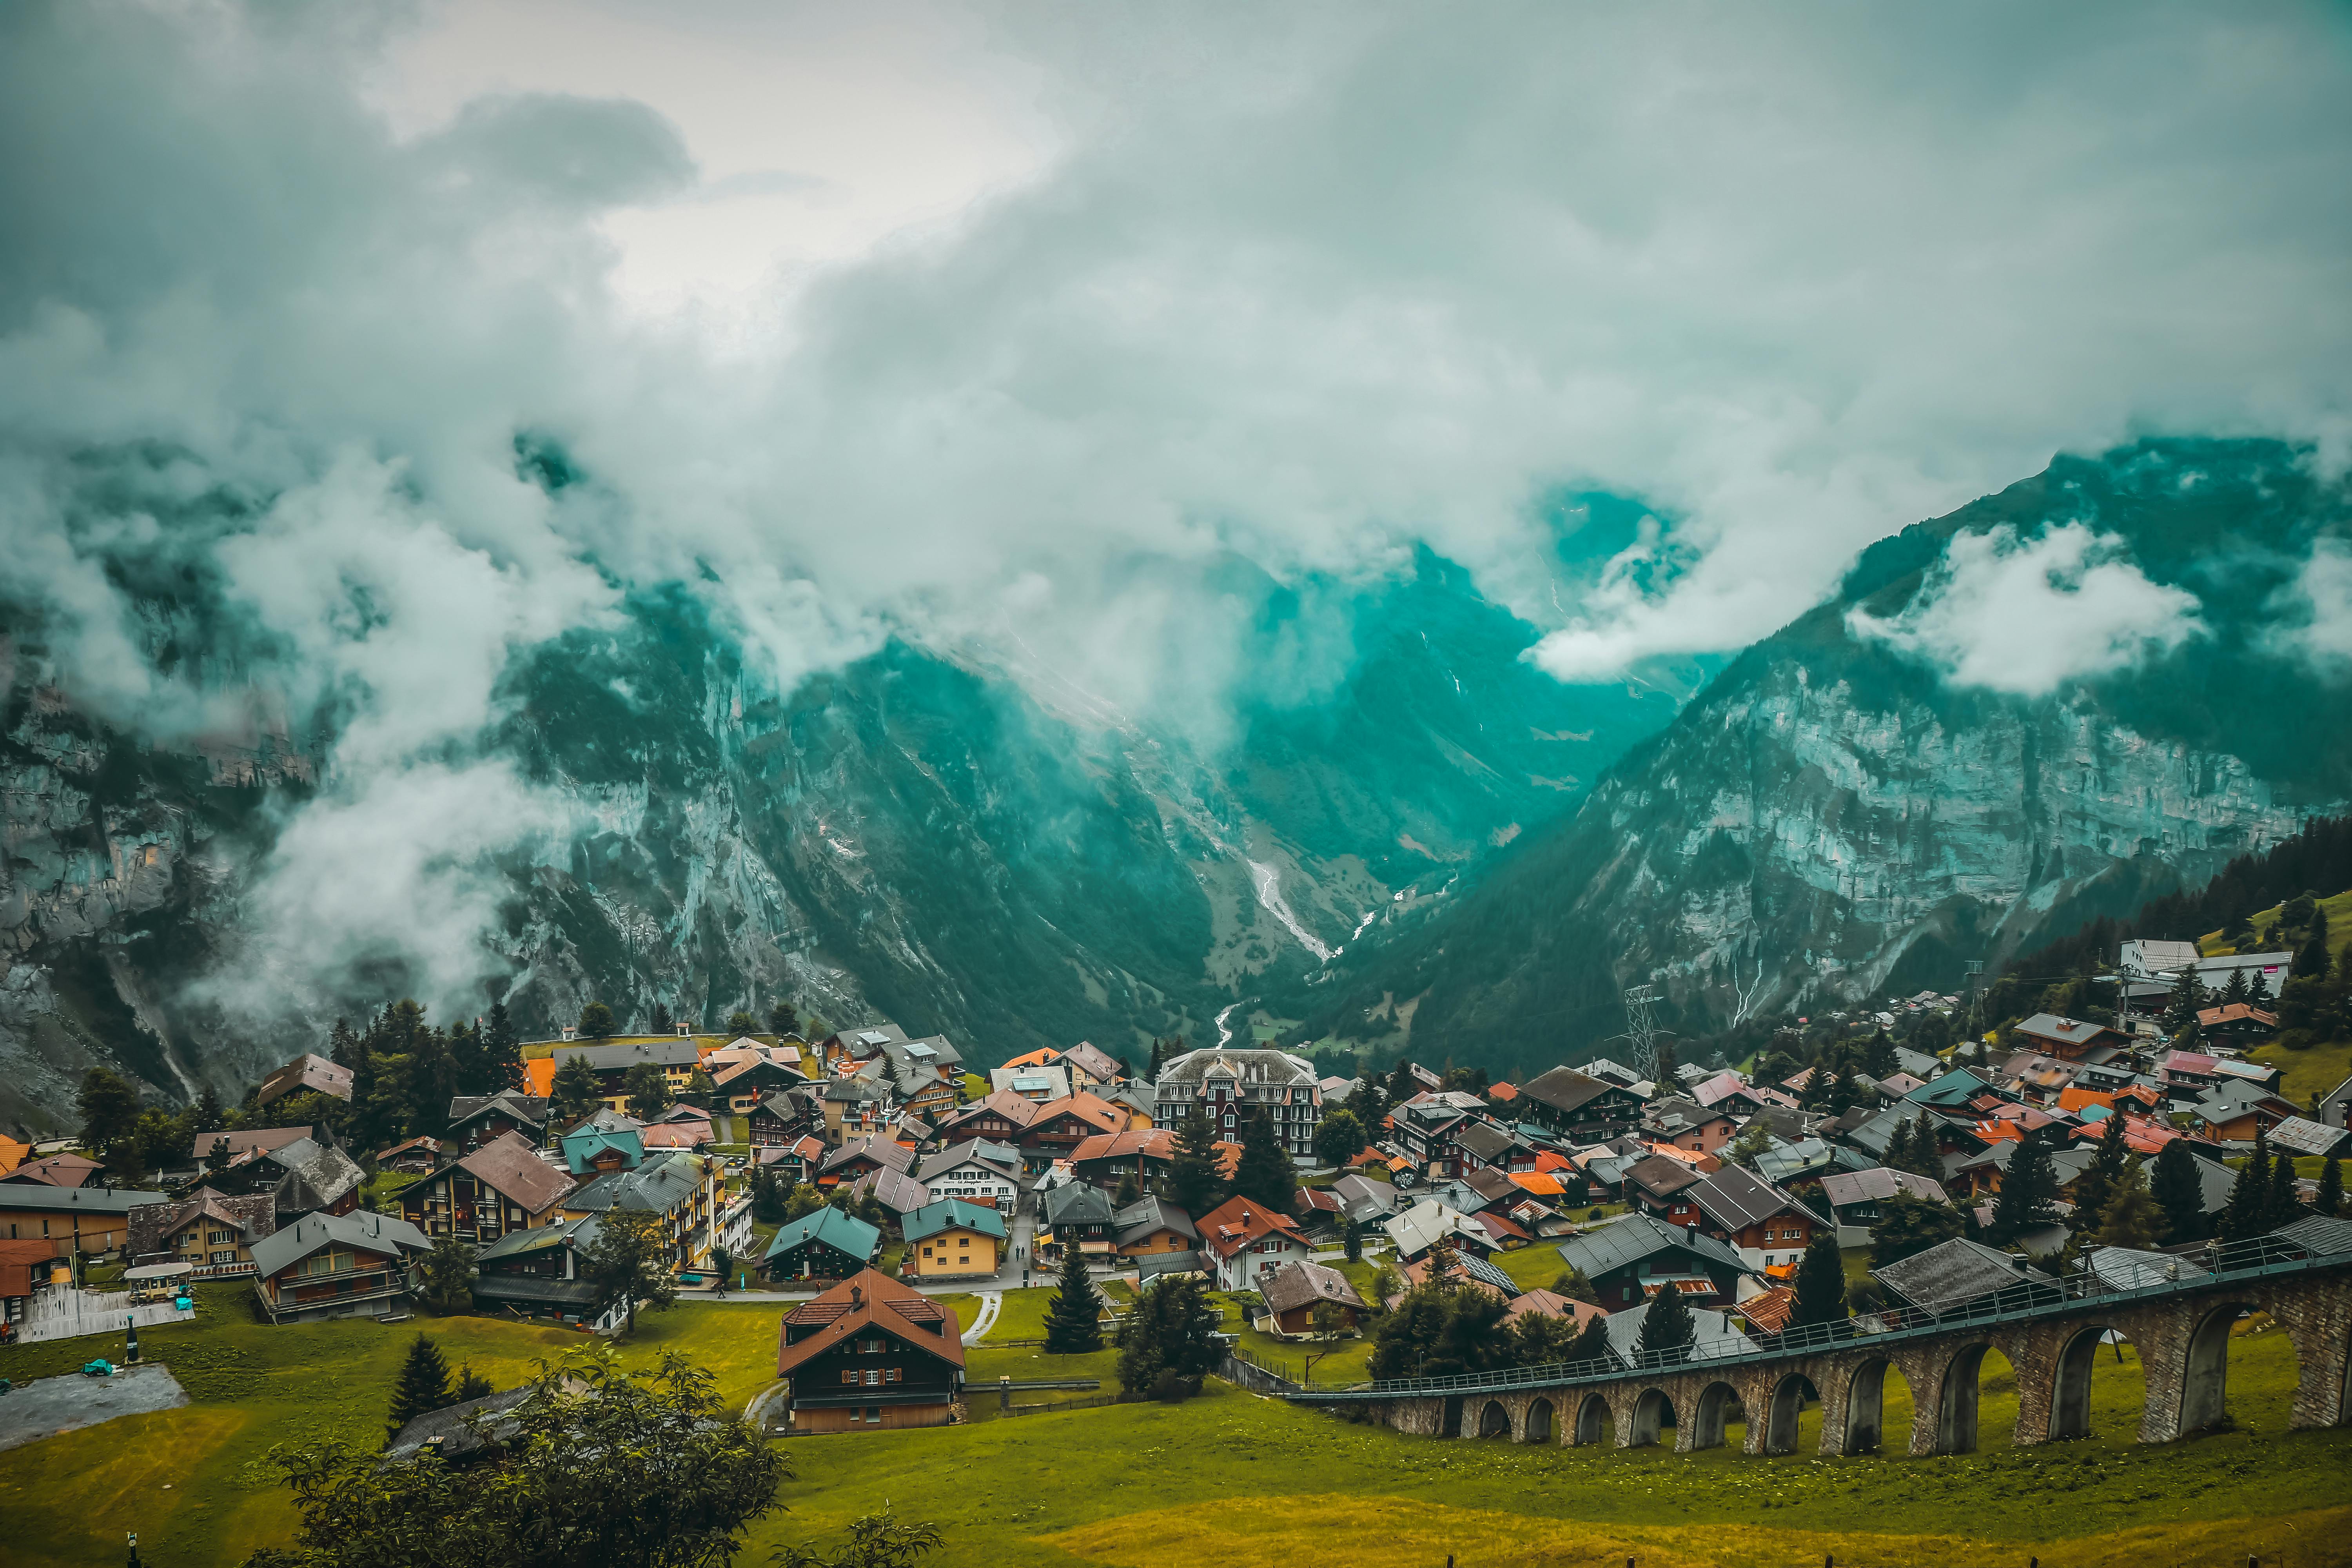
(1147, 1154)
(1542, 1183)
(2074, 1100)
(1061, 1125)
(870, 1354)
(1502, 1093)
(1243, 1240)
(13, 1153)
(539, 1077)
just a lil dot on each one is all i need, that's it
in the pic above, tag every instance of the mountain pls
(927, 835)
(1836, 817)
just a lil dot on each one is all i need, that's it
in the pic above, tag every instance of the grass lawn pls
(1533, 1267)
(2303, 1074)
(1007, 1492)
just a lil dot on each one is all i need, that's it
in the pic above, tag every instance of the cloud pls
(2026, 617)
(2316, 608)
(1288, 298)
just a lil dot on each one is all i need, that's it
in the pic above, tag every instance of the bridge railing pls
(2029, 1296)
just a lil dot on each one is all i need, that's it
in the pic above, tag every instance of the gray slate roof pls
(1735, 1200)
(1300, 1284)
(1956, 1271)
(1076, 1202)
(363, 1229)
(1636, 1236)
(1148, 1215)
(1711, 1332)
(449, 1430)
(651, 1188)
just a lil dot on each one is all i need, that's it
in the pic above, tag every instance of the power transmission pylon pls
(1640, 1031)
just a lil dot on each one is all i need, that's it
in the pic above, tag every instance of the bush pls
(1171, 1388)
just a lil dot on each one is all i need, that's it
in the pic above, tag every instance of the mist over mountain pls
(2095, 686)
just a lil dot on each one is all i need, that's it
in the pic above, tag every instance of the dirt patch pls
(54, 1404)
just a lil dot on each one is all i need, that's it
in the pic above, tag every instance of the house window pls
(850, 1376)
(895, 1374)
(874, 1377)
(225, 1255)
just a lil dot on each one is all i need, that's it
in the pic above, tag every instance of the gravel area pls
(53, 1405)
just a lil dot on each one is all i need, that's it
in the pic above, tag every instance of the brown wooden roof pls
(869, 1298)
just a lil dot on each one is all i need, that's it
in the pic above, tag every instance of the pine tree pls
(423, 1386)
(2180, 1008)
(1667, 1327)
(1128, 1192)
(1880, 1060)
(1821, 1282)
(1899, 1155)
(2132, 1217)
(577, 1089)
(1592, 1340)
(1193, 1181)
(1074, 1321)
(2247, 1210)
(663, 1023)
(2284, 1205)
(1265, 1174)
(342, 1045)
(2313, 958)
(2235, 991)
(1352, 1236)
(502, 1051)
(2097, 1182)
(472, 1384)
(783, 1019)
(1925, 1159)
(2028, 1188)
(2178, 1192)
(2331, 1188)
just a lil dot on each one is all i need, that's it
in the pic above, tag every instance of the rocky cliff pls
(1840, 816)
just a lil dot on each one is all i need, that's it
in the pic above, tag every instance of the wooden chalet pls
(870, 1354)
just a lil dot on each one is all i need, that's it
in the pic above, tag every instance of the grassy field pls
(2337, 908)
(2303, 1074)
(1123, 1484)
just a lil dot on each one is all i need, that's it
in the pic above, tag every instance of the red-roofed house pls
(870, 1354)
(1244, 1239)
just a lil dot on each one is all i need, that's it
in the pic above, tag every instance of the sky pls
(1018, 325)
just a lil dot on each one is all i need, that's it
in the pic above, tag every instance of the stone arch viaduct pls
(2180, 1328)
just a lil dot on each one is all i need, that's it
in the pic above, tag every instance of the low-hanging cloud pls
(1293, 299)
(2315, 611)
(2027, 616)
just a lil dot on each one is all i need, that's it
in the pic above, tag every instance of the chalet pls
(1686, 1124)
(475, 1119)
(1365, 1199)
(536, 1273)
(794, 1162)
(334, 1265)
(1629, 1261)
(308, 1175)
(1659, 1184)
(2237, 1022)
(1428, 1127)
(1091, 1067)
(1583, 1106)
(1061, 1125)
(678, 1060)
(1036, 1084)
(894, 1190)
(2070, 1040)
(1105, 1159)
(208, 1230)
(1242, 1240)
(783, 1119)
(2232, 1112)
(305, 1075)
(864, 1158)
(1429, 1221)
(1552, 1304)
(85, 1219)
(1150, 1226)
(1295, 1290)
(1954, 1276)
(1076, 1215)
(858, 1106)
(501, 1187)
(1762, 1224)
(1227, 1083)
(870, 1352)
(592, 1152)
(1002, 1118)
(2335, 1106)
(2301, 1136)
(978, 1172)
(414, 1156)
(952, 1238)
(744, 1084)
(681, 1190)
(1855, 1197)
(55, 1170)
(823, 1243)
(240, 1145)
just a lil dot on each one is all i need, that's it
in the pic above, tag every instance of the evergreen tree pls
(431, 1083)
(1821, 1282)
(446, 1275)
(628, 1263)
(1925, 1159)
(2178, 1192)
(1592, 1340)
(596, 1022)
(741, 1024)
(1879, 1059)
(2247, 1210)
(1168, 1341)
(342, 1045)
(1662, 1070)
(1352, 1236)
(472, 1384)
(577, 1089)
(423, 1386)
(1908, 1226)
(108, 1107)
(1899, 1155)
(2180, 1007)
(783, 1018)
(1128, 1192)
(2330, 1201)
(2097, 1182)
(502, 1051)
(1193, 1182)
(209, 1113)
(663, 1023)
(1265, 1174)
(2028, 1188)
(2284, 1205)
(1667, 1327)
(1074, 1321)
(2312, 959)
(2132, 1217)
(2235, 991)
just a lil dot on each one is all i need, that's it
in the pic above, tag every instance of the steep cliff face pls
(915, 835)
(1835, 818)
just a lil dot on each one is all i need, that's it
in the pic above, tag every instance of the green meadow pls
(1125, 1484)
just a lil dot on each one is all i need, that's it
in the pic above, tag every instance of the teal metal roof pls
(953, 1214)
(830, 1226)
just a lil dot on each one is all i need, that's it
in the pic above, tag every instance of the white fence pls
(64, 1312)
